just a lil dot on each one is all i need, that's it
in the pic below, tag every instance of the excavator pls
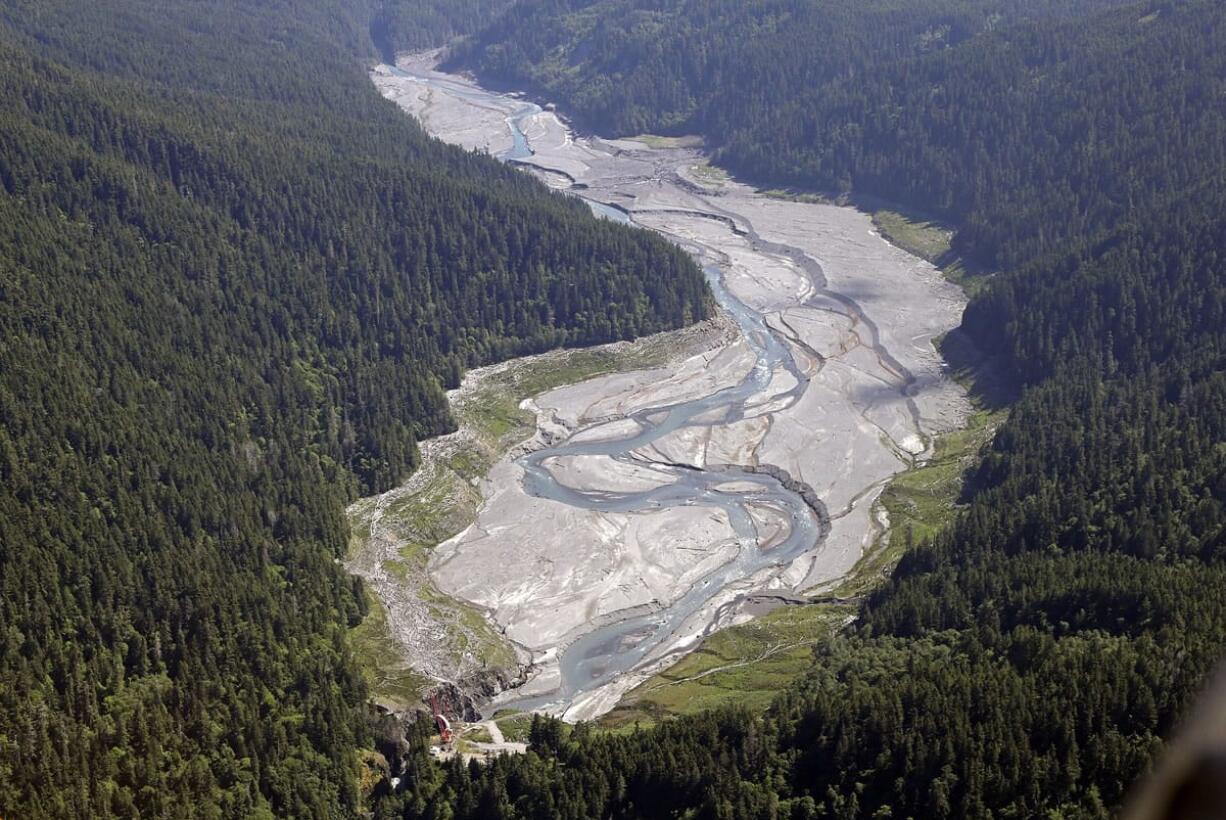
(444, 725)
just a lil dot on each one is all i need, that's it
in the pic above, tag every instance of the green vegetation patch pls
(745, 665)
(419, 521)
(657, 141)
(925, 238)
(789, 195)
(932, 240)
(748, 665)
(478, 734)
(515, 726)
(379, 656)
(710, 175)
(922, 501)
(493, 413)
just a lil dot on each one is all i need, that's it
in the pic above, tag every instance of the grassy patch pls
(479, 734)
(391, 680)
(431, 516)
(515, 726)
(788, 195)
(924, 238)
(709, 175)
(493, 413)
(657, 141)
(931, 240)
(745, 665)
(921, 502)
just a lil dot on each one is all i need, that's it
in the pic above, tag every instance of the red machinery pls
(440, 720)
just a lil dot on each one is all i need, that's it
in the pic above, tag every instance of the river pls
(784, 365)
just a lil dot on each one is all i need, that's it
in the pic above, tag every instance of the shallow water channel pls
(609, 651)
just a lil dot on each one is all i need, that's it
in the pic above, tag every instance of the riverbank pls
(747, 665)
(835, 385)
(416, 636)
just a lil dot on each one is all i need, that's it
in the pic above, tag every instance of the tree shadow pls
(987, 377)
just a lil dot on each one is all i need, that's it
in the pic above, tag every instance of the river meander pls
(775, 429)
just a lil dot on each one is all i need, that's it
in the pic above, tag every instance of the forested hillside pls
(1030, 660)
(998, 115)
(406, 25)
(234, 282)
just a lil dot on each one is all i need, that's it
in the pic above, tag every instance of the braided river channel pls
(810, 461)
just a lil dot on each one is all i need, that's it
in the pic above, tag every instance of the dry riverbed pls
(417, 636)
(861, 397)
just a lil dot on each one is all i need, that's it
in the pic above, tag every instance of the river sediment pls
(655, 501)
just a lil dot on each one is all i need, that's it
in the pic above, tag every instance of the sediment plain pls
(650, 503)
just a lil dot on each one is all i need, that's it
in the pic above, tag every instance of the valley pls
(530, 427)
(649, 505)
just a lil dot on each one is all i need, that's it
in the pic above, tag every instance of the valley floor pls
(558, 578)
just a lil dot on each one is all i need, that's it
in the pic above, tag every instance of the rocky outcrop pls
(392, 731)
(462, 700)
